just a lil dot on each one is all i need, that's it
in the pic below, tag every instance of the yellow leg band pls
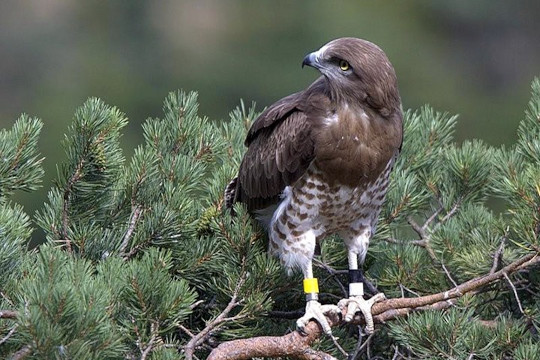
(311, 285)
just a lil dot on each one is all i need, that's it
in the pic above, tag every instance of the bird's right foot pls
(316, 311)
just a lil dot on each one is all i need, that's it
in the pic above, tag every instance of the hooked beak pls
(311, 60)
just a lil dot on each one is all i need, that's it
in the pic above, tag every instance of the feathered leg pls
(297, 252)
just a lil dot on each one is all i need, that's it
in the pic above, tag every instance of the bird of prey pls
(318, 163)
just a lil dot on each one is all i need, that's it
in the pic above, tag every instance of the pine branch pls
(293, 345)
(298, 346)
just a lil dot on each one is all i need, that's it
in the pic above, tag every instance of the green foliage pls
(141, 260)
(15, 231)
(457, 334)
(64, 309)
(20, 165)
(20, 169)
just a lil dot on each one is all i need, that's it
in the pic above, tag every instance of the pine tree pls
(141, 261)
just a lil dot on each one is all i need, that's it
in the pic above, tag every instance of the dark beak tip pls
(307, 60)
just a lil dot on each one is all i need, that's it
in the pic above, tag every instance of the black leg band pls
(356, 276)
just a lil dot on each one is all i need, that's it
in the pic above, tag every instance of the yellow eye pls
(343, 65)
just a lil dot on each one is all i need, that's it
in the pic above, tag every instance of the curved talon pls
(355, 303)
(316, 311)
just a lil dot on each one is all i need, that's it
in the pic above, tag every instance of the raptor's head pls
(357, 70)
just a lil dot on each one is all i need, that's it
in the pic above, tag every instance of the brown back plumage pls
(301, 128)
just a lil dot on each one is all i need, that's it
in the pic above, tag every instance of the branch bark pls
(298, 346)
(8, 314)
(135, 214)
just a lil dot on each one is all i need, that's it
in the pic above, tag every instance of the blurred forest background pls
(473, 58)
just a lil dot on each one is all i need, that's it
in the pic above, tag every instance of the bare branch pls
(195, 304)
(432, 217)
(417, 228)
(497, 257)
(293, 345)
(448, 274)
(515, 292)
(8, 314)
(451, 212)
(135, 214)
(458, 291)
(360, 345)
(421, 243)
(8, 335)
(433, 257)
(148, 348)
(22, 353)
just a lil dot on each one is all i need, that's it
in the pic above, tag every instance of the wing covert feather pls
(276, 157)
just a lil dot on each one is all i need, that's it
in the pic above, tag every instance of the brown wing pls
(274, 114)
(276, 157)
(280, 146)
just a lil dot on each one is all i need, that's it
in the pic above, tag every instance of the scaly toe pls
(356, 303)
(316, 311)
(377, 298)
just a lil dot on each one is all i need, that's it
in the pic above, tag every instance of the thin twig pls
(448, 274)
(435, 259)
(417, 228)
(148, 348)
(431, 218)
(338, 346)
(11, 332)
(451, 213)
(186, 330)
(497, 257)
(421, 243)
(515, 292)
(360, 345)
(135, 214)
(425, 243)
(368, 348)
(403, 287)
(333, 273)
(396, 352)
(198, 339)
(195, 304)
(5, 297)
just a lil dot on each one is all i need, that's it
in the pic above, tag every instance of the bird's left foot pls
(355, 303)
